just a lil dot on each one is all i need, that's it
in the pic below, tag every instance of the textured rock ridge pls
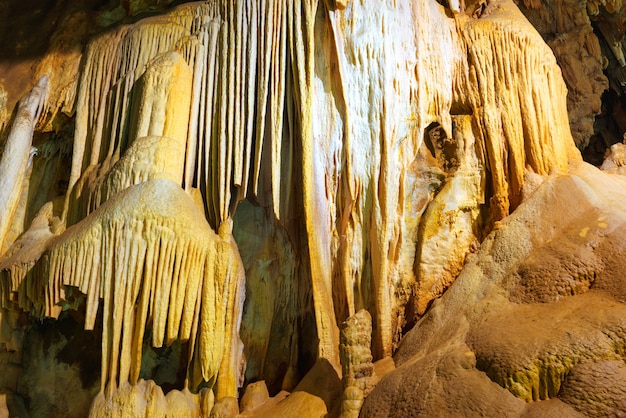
(567, 29)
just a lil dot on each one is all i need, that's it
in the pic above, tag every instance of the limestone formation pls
(151, 256)
(146, 399)
(356, 362)
(16, 156)
(256, 394)
(451, 225)
(222, 184)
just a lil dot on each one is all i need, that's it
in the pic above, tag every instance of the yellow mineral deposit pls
(150, 255)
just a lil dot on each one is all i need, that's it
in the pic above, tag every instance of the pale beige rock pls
(615, 159)
(21, 257)
(354, 132)
(347, 166)
(207, 400)
(147, 158)
(16, 155)
(355, 353)
(451, 225)
(352, 158)
(299, 404)
(352, 400)
(144, 399)
(384, 366)
(113, 64)
(541, 139)
(220, 99)
(316, 395)
(182, 404)
(358, 375)
(160, 107)
(161, 100)
(226, 407)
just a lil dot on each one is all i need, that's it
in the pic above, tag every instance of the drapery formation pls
(150, 256)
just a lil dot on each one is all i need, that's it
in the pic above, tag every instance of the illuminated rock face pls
(245, 176)
(536, 315)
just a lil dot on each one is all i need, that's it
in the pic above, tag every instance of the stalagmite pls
(356, 362)
(16, 154)
(146, 399)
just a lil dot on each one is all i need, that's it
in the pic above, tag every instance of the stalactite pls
(301, 24)
(151, 257)
(158, 128)
(114, 63)
(220, 135)
(369, 121)
(19, 261)
(513, 76)
(16, 154)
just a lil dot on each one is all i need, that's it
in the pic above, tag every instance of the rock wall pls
(567, 29)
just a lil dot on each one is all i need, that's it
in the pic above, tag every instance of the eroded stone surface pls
(535, 321)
